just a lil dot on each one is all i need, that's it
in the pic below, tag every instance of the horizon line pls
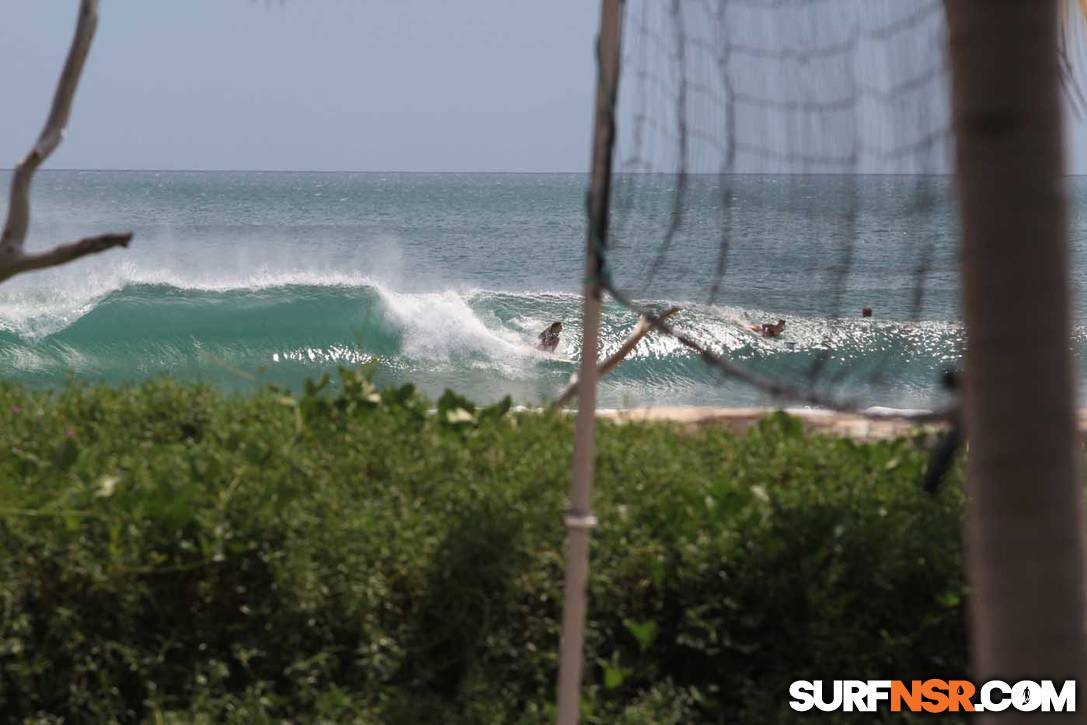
(487, 172)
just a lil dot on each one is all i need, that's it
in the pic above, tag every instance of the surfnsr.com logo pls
(932, 695)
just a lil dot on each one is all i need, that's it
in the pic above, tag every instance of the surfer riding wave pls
(549, 338)
(769, 329)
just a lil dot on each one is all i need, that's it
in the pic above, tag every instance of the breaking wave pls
(283, 328)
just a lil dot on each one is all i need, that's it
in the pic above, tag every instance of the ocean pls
(242, 279)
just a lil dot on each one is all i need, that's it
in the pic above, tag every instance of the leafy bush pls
(174, 554)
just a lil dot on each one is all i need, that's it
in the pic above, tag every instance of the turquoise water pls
(242, 279)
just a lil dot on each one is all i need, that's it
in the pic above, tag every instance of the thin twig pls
(62, 253)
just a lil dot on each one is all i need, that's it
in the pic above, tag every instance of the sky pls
(368, 85)
(328, 85)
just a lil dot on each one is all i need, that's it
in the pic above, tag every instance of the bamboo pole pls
(579, 519)
(1025, 527)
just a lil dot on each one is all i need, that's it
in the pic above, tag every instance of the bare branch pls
(60, 254)
(12, 257)
(780, 390)
(642, 329)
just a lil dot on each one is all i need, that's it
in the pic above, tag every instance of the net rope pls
(730, 113)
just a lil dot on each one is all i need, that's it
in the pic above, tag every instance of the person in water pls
(549, 338)
(768, 329)
(866, 312)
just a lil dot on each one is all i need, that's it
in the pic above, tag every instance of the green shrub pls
(176, 555)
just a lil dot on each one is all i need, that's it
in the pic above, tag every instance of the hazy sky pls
(304, 84)
(374, 85)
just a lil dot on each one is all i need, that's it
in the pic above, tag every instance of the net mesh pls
(787, 160)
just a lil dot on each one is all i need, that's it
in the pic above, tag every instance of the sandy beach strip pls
(824, 422)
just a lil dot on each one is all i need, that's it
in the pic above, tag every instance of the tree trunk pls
(1025, 538)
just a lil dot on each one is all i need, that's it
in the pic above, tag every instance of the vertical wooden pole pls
(1025, 509)
(579, 518)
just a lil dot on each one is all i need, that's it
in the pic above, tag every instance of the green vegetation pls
(172, 554)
